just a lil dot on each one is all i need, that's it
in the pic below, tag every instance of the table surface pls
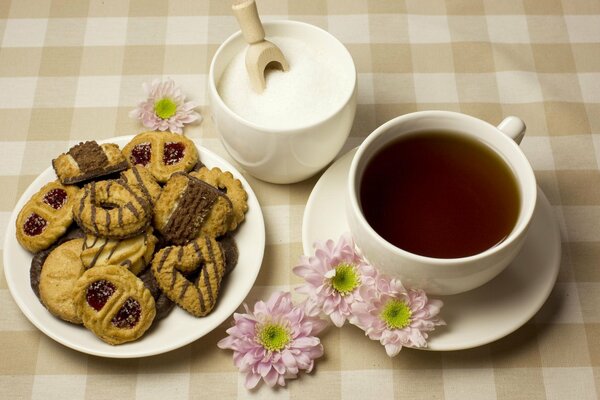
(72, 70)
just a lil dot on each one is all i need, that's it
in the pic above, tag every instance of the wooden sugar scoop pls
(261, 53)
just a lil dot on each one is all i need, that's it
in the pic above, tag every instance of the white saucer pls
(479, 316)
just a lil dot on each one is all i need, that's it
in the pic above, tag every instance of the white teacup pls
(443, 276)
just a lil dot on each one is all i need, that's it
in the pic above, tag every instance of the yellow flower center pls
(165, 108)
(345, 279)
(396, 314)
(273, 337)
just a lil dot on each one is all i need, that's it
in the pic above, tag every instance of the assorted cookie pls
(134, 253)
(158, 234)
(38, 259)
(46, 216)
(142, 182)
(113, 303)
(88, 160)
(226, 183)
(189, 207)
(197, 297)
(111, 209)
(162, 153)
(61, 269)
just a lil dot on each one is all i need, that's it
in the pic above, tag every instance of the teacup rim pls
(518, 230)
(213, 87)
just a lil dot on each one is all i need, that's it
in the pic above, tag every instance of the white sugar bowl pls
(272, 147)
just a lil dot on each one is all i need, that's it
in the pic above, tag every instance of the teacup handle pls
(513, 127)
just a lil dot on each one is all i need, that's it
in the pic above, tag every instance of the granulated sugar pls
(311, 90)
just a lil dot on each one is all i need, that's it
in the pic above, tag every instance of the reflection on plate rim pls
(23, 302)
(307, 249)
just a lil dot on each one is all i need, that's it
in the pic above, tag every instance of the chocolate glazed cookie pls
(226, 183)
(87, 161)
(198, 297)
(188, 208)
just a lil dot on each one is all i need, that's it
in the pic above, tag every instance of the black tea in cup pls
(439, 194)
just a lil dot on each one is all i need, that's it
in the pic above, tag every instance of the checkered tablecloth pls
(71, 70)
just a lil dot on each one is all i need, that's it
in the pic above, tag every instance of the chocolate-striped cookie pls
(111, 209)
(141, 181)
(133, 253)
(200, 296)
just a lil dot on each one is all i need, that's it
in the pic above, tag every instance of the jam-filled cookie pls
(189, 207)
(111, 209)
(87, 161)
(46, 216)
(134, 253)
(162, 153)
(226, 183)
(114, 304)
(141, 181)
(60, 271)
(200, 296)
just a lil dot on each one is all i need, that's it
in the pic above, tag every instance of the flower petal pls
(392, 349)
(251, 380)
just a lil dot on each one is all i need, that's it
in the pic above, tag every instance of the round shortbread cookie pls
(60, 271)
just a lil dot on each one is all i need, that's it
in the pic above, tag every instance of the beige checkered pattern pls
(71, 70)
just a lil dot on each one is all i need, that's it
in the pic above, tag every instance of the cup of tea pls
(441, 200)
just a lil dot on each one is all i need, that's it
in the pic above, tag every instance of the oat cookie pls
(46, 216)
(114, 304)
(133, 253)
(189, 207)
(162, 153)
(111, 209)
(200, 296)
(226, 183)
(59, 273)
(88, 160)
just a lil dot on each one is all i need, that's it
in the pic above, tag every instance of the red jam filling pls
(129, 314)
(56, 198)
(173, 152)
(98, 294)
(34, 225)
(141, 154)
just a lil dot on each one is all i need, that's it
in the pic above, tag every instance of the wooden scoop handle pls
(247, 15)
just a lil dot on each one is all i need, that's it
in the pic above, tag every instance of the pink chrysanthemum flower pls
(396, 316)
(333, 276)
(165, 108)
(275, 341)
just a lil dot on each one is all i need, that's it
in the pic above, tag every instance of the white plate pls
(179, 328)
(479, 316)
